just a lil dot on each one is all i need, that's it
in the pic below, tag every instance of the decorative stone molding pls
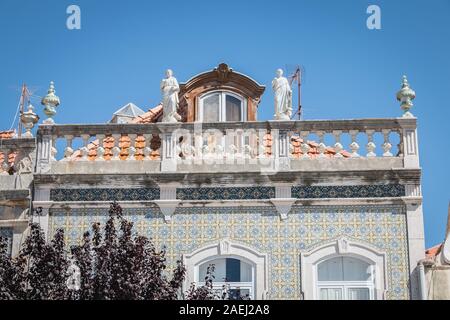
(283, 191)
(225, 247)
(168, 192)
(283, 206)
(167, 208)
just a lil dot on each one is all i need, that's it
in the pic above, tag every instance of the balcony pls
(265, 146)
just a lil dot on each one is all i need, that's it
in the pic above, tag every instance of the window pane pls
(331, 270)
(233, 270)
(246, 272)
(233, 106)
(219, 272)
(356, 270)
(331, 294)
(344, 269)
(211, 108)
(358, 294)
(228, 269)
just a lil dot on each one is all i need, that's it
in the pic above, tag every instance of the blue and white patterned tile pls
(261, 228)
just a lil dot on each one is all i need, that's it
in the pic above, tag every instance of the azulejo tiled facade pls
(355, 191)
(7, 233)
(259, 227)
(104, 194)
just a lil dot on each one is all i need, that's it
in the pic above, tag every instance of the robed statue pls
(283, 97)
(169, 91)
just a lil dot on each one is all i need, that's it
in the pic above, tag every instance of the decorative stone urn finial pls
(50, 102)
(406, 95)
(29, 118)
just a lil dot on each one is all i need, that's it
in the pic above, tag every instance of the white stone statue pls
(169, 91)
(283, 97)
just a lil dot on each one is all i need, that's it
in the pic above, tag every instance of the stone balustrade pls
(228, 146)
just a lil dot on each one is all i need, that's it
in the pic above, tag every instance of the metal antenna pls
(296, 76)
(24, 100)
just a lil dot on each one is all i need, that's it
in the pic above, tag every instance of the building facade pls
(285, 209)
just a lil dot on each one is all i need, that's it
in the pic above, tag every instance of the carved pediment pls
(223, 71)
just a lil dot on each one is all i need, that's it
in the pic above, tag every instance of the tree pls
(39, 270)
(118, 265)
(113, 263)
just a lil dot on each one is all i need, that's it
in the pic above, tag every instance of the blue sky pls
(123, 48)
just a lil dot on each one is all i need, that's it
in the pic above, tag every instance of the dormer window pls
(221, 106)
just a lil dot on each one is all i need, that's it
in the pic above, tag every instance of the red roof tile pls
(433, 251)
(9, 134)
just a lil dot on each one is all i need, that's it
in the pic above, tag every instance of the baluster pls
(53, 150)
(400, 145)
(5, 164)
(84, 150)
(100, 149)
(260, 148)
(132, 148)
(321, 146)
(198, 145)
(68, 151)
(354, 146)
(116, 149)
(338, 146)
(147, 146)
(370, 145)
(158, 148)
(387, 146)
(230, 147)
(304, 146)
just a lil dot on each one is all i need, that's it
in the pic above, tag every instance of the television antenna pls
(25, 99)
(296, 75)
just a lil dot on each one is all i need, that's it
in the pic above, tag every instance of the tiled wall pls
(6, 232)
(261, 228)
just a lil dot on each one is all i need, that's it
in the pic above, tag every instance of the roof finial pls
(406, 95)
(29, 118)
(50, 102)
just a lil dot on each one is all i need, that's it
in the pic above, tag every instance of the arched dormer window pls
(221, 94)
(221, 106)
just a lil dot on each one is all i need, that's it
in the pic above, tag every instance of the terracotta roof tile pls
(313, 151)
(433, 251)
(11, 159)
(150, 116)
(8, 134)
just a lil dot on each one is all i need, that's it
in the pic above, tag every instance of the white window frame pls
(345, 285)
(310, 260)
(218, 285)
(222, 105)
(226, 248)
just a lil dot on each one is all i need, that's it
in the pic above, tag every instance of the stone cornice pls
(400, 176)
